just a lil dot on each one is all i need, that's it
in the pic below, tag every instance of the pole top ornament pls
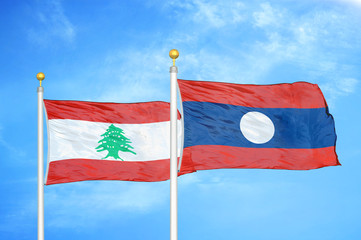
(173, 54)
(40, 76)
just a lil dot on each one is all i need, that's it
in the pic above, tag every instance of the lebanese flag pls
(108, 141)
(281, 126)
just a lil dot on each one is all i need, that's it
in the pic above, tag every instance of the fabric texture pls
(108, 141)
(281, 126)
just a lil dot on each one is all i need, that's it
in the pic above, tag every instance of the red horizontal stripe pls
(75, 170)
(214, 157)
(296, 95)
(131, 113)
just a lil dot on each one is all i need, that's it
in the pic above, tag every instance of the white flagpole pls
(173, 148)
(40, 76)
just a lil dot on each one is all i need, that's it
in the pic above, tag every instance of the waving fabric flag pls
(108, 141)
(282, 126)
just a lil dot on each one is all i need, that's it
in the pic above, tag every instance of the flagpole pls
(40, 76)
(173, 148)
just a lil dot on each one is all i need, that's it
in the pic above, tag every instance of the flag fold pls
(281, 126)
(108, 141)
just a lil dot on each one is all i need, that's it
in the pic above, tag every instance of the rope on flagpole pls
(173, 148)
(40, 76)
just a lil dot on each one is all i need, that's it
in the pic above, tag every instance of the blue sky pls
(117, 51)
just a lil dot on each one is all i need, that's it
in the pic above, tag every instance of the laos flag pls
(281, 126)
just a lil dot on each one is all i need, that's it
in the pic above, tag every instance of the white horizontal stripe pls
(70, 139)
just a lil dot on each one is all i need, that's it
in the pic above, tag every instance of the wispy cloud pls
(212, 14)
(347, 85)
(313, 42)
(267, 16)
(309, 41)
(339, 88)
(135, 76)
(52, 23)
(352, 2)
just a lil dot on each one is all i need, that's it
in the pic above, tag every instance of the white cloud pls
(268, 16)
(340, 87)
(207, 65)
(132, 76)
(284, 37)
(214, 14)
(306, 41)
(347, 85)
(52, 24)
(218, 15)
(353, 2)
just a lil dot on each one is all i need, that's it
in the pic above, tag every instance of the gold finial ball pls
(173, 53)
(40, 76)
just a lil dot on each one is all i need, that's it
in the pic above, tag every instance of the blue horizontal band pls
(219, 124)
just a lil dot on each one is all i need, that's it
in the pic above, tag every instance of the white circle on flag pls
(256, 127)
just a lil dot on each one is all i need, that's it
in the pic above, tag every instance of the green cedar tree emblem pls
(114, 141)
